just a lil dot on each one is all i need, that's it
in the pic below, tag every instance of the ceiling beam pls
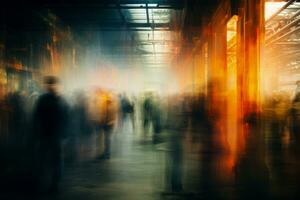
(147, 13)
(101, 26)
(99, 5)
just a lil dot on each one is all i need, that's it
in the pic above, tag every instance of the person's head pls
(51, 84)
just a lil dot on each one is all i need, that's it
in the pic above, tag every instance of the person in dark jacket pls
(50, 122)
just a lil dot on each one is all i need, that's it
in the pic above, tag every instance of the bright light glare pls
(272, 7)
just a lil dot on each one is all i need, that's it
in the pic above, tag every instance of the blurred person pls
(3, 115)
(198, 111)
(16, 102)
(294, 106)
(173, 112)
(126, 111)
(2, 105)
(295, 122)
(147, 112)
(280, 105)
(251, 172)
(156, 117)
(105, 120)
(80, 123)
(132, 114)
(175, 162)
(33, 95)
(295, 142)
(16, 127)
(297, 90)
(175, 157)
(120, 114)
(152, 111)
(50, 120)
(295, 119)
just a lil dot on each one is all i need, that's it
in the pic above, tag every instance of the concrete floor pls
(140, 169)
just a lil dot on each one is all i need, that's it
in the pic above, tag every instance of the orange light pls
(231, 76)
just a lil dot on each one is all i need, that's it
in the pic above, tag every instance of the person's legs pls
(132, 119)
(57, 166)
(97, 140)
(107, 141)
(146, 124)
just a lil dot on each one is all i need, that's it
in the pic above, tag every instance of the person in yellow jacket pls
(105, 107)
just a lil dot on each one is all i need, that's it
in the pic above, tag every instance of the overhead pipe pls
(294, 22)
(283, 36)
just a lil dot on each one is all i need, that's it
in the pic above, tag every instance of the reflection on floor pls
(175, 166)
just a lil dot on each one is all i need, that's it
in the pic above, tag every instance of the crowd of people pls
(282, 118)
(42, 129)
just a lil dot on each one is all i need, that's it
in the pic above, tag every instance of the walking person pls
(127, 111)
(50, 123)
(106, 119)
